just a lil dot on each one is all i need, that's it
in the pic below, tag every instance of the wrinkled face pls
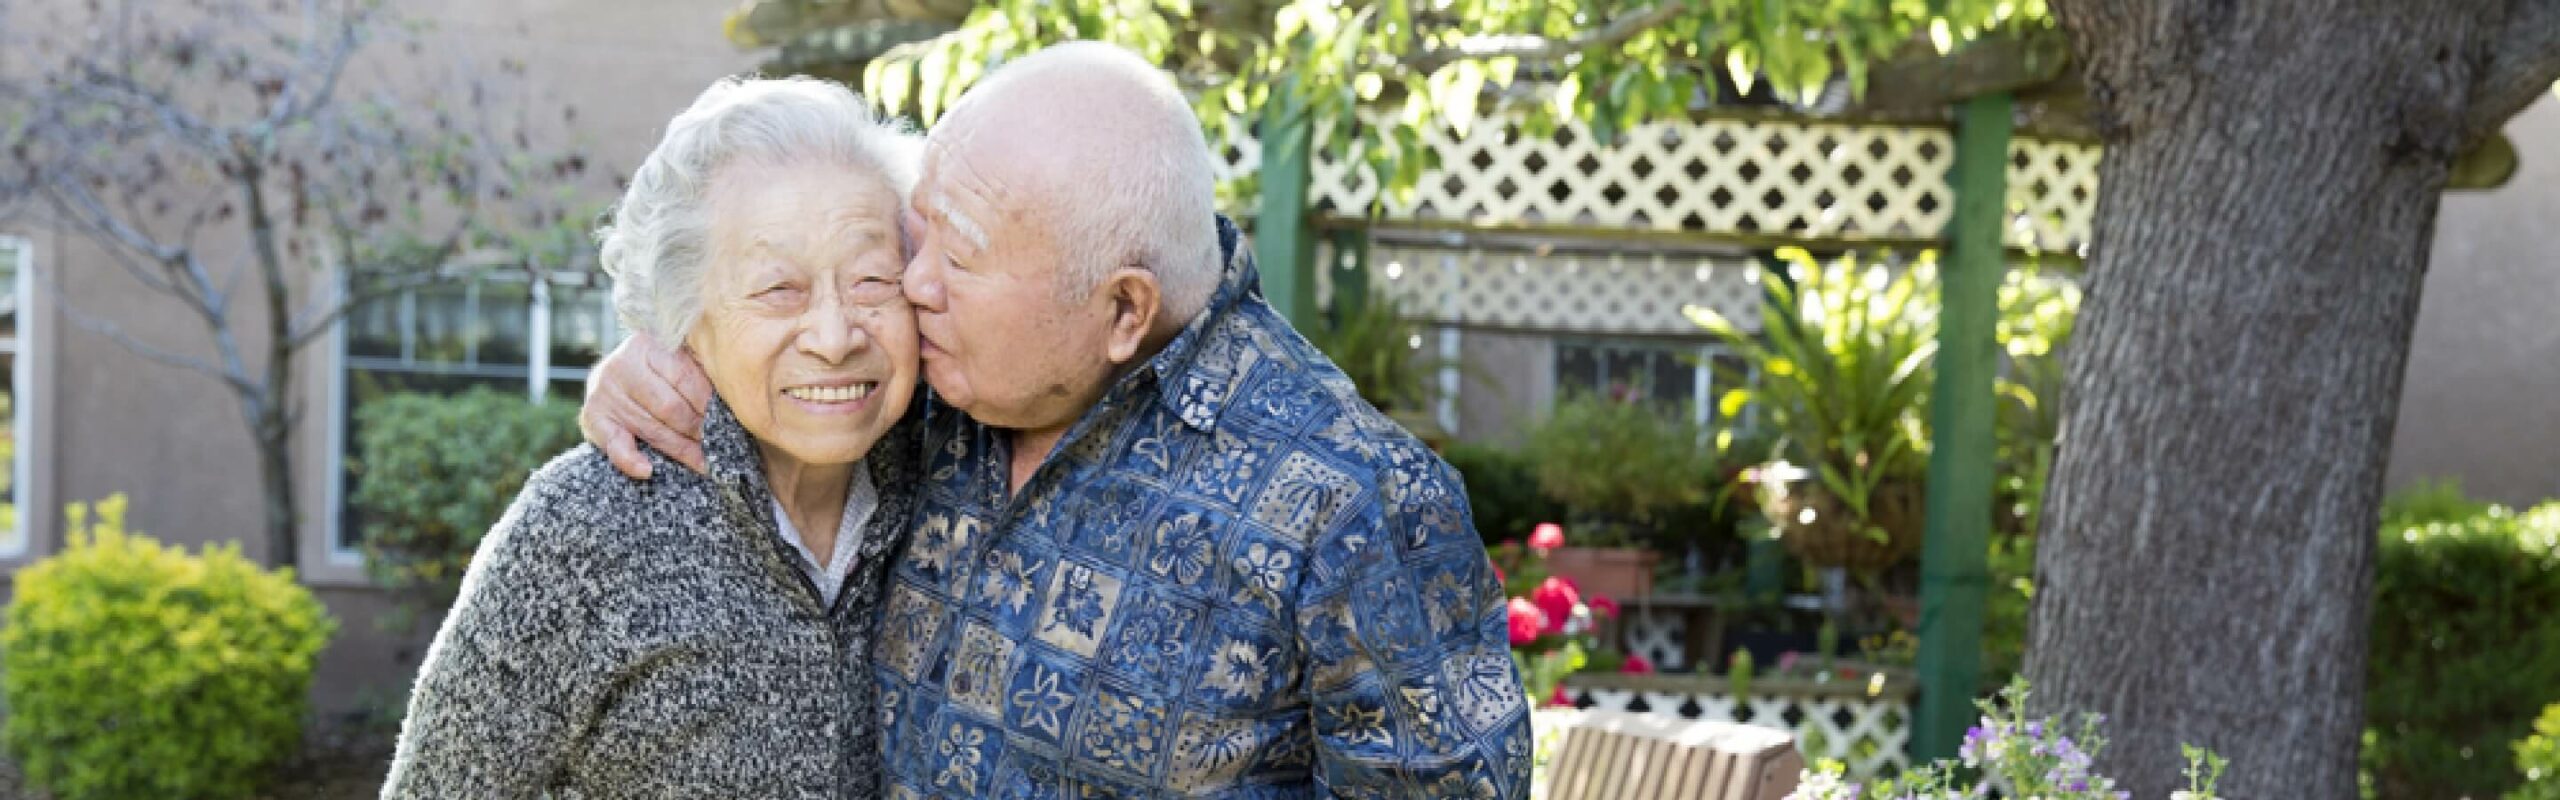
(1001, 344)
(804, 330)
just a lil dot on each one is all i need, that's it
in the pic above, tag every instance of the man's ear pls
(1135, 305)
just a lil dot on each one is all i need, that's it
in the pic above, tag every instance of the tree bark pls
(2266, 207)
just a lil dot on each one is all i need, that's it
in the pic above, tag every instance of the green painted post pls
(1349, 272)
(1283, 247)
(1953, 576)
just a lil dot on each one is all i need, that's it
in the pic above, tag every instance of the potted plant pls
(1557, 628)
(1841, 371)
(1624, 469)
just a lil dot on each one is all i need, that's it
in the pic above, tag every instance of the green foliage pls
(1621, 465)
(1843, 369)
(2465, 645)
(1612, 62)
(2037, 315)
(1503, 492)
(434, 472)
(135, 670)
(1379, 350)
(2012, 563)
(2538, 758)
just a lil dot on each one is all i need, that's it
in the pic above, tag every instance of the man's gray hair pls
(658, 242)
(1155, 199)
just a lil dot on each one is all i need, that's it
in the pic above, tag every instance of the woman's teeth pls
(830, 394)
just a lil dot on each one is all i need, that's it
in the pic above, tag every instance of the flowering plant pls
(2048, 759)
(1555, 630)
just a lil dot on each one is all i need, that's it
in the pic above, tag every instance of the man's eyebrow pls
(936, 204)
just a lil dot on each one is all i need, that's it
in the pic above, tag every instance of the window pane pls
(444, 324)
(11, 538)
(578, 329)
(373, 329)
(1661, 373)
(506, 311)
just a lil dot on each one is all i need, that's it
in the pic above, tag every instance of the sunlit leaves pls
(1614, 63)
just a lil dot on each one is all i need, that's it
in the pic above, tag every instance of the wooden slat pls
(1623, 756)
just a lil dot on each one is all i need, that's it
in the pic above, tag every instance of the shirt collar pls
(728, 453)
(1192, 374)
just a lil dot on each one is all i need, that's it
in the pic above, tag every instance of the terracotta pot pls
(1620, 573)
(1830, 536)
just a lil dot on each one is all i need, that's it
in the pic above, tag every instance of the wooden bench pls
(1617, 755)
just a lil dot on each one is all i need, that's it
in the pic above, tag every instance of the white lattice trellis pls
(1612, 293)
(1871, 735)
(1661, 637)
(1810, 179)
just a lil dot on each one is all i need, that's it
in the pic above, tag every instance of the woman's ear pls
(1135, 304)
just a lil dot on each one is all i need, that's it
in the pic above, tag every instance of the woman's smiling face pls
(805, 332)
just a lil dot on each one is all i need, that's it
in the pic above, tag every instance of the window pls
(16, 287)
(505, 332)
(1669, 374)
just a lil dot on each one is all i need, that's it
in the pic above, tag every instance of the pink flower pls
(1601, 604)
(1559, 698)
(1526, 622)
(1636, 665)
(1556, 598)
(1547, 536)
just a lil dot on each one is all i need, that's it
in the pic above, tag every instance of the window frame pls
(339, 551)
(24, 348)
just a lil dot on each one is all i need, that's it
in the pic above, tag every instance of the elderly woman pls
(707, 635)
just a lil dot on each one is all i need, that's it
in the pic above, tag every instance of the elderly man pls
(1168, 551)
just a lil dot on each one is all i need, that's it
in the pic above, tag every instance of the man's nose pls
(922, 282)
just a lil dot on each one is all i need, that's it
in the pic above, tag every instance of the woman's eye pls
(776, 291)
(875, 291)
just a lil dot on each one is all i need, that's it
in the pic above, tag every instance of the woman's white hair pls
(658, 240)
(1148, 197)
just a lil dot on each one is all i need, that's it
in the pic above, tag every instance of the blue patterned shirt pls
(1234, 578)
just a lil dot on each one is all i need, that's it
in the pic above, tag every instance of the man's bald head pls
(1102, 147)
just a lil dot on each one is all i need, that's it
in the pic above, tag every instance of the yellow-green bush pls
(133, 669)
(2538, 757)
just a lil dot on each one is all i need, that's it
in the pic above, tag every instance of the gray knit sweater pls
(654, 639)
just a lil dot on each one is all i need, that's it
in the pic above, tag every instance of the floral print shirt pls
(1234, 578)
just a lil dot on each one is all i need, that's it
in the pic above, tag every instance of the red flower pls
(1526, 622)
(1556, 597)
(1636, 665)
(1601, 604)
(1547, 536)
(1559, 698)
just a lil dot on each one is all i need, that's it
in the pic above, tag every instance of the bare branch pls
(2521, 67)
(108, 328)
(122, 90)
(1617, 32)
(328, 68)
(315, 322)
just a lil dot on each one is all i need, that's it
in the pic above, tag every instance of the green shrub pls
(132, 669)
(2466, 643)
(433, 472)
(1502, 491)
(2538, 758)
(1623, 467)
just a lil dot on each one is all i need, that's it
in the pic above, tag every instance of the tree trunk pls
(275, 472)
(2266, 205)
